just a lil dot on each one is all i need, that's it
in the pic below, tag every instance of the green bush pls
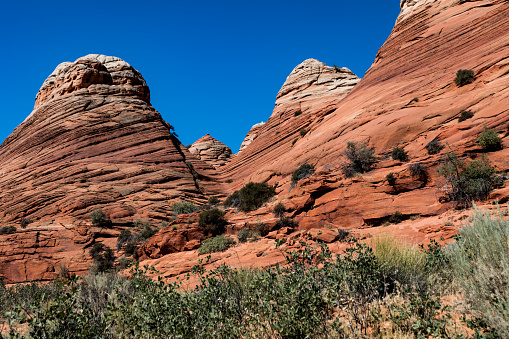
(465, 115)
(489, 140)
(250, 197)
(418, 170)
(213, 220)
(262, 229)
(396, 217)
(245, 234)
(399, 153)
(185, 207)
(286, 222)
(303, 132)
(391, 179)
(302, 172)
(228, 181)
(297, 113)
(480, 267)
(24, 222)
(103, 257)
(361, 159)
(8, 230)
(464, 77)
(279, 210)
(214, 201)
(467, 182)
(218, 243)
(99, 218)
(434, 147)
(294, 141)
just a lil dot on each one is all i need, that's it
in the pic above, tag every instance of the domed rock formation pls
(211, 151)
(250, 136)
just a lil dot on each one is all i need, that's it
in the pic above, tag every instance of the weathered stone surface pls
(211, 151)
(250, 136)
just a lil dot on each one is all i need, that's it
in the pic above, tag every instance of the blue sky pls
(212, 66)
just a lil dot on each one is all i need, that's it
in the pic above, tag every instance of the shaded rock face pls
(406, 99)
(211, 151)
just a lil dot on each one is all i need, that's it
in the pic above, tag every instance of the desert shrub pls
(250, 197)
(123, 238)
(399, 153)
(396, 217)
(262, 229)
(228, 181)
(279, 210)
(303, 132)
(103, 257)
(468, 182)
(24, 222)
(302, 172)
(434, 147)
(218, 243)
(464, 77)
(246, 234)
(489, 140)
(361, 158)
(480, 267)
(294, 141)
(185, 207)
(391, 179)
(297, 113)
(8, 230)
(465, 115)
(213, 220)
(418, 170)
(99, 218)
(214, 200)
(286, 222)
(146, 232)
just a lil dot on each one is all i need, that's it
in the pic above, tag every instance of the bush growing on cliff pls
(279, 210)
(489, 140)
(213, 220)
(434, 147)
(361, 158)
(214, 201)
(103, 257)
(302, 172)
(218, 243)
(465, 115)
(391, 179)
(99, 218)
(184, 207)
(297, 113)
(419, 171)
(8, 230)
(400, 154)
(303, 132)
(464, 77)
(250, 197)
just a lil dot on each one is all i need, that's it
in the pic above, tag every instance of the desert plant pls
(214, 201)
(361, 158)
(279, 210)
(286, 222)
(8, 230)
(337, 69)
(185, 207)
(123, 238)
(297, 113)
(302, 172)
(418, 170)
(465, 115)
(213, 220)
(294, 141)
(399, 153)
(99, 218)
(396, 217)
(262, 229)
(24, 222)
(303, 132)
(391, 179)
(464, 77)
(250, 197)
(245, 234)
(228, 181)
(489, 140)
(103, 257)
(218, 243)
(434, 147)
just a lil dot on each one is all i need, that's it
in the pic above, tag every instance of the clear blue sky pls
(212, 66)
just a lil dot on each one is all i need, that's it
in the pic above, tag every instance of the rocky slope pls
(93, 140)
(211, 151)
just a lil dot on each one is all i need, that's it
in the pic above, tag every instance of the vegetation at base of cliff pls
(99, 218)
(385, 290)
(303, 172)
(464, 77)
(467, 182)
(219, 243)
(250, 197)
(213, 220)
(361, 159)
(130, 242)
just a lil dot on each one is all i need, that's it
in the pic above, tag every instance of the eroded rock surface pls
(211, 151)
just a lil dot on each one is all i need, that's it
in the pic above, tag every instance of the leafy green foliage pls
(434, 147)
(250, 197)
(246, 234)
(214, 201)
(8, 230)
(465, 115)
(213, 220)
(419, 171)
(286, 222)
(99, 218)
(464, 77)
(218, 243)
(279, 210)
(294, 141)
(228, 181)
(103, 257)
(185, 207)
(396, 217)
(361, 159)
(489, 140)
(302, 172)
(399, 153)
(391, 179)
(468, 182)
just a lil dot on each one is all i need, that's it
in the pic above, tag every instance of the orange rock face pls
(211, 151)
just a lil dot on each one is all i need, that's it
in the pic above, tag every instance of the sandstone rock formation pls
(250, 136)
(211, 151)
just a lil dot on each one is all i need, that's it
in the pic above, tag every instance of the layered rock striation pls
(211, 151)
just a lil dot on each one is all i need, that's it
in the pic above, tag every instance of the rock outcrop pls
(211, 151)
(250, 136)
